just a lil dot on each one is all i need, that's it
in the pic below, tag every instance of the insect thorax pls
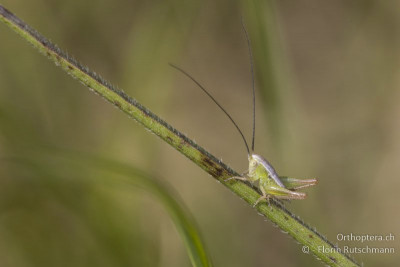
(261, 169)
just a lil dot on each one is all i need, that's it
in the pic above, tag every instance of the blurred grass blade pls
(271, 75)
(128, 175)
(275, 212)
(179, 214)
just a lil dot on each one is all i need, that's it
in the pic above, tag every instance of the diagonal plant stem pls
(288, 222)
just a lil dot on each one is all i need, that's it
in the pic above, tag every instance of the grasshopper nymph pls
(261, 173)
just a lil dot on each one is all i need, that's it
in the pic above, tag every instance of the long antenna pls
(215, 101)
(252, 80)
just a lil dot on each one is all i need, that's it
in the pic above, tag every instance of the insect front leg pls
(242, 178)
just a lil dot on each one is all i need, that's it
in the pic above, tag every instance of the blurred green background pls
(327, 76)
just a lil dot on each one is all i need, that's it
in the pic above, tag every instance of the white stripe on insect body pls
(270, 169)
